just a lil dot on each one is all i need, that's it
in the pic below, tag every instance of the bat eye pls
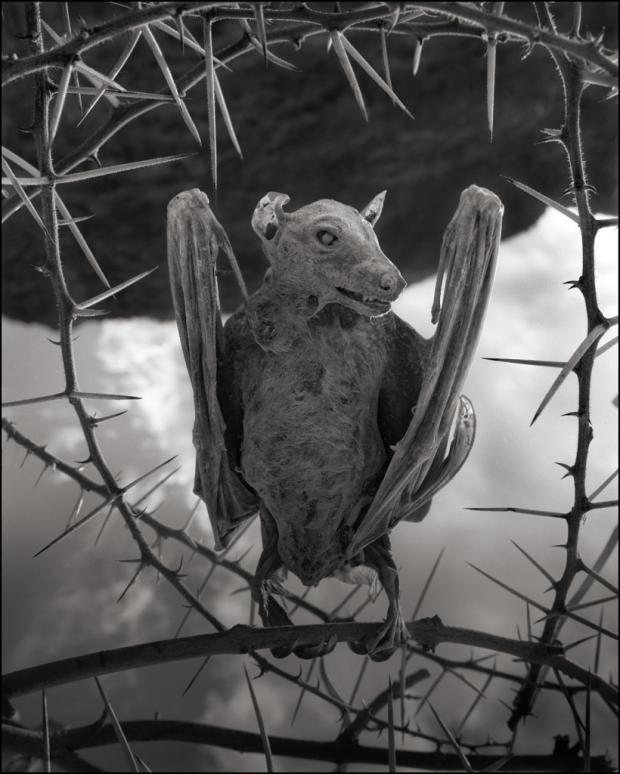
(326, 238)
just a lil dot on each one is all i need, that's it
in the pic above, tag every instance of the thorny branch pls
(429, 632)
(572, 77)
(51, 460)
(580, 61)
(66, 317)
(182, 536)
(296, 35)
(302, 13)
(63, 742)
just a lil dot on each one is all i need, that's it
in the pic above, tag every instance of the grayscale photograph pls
(309, 386)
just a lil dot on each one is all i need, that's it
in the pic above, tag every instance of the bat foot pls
(364, 648)
(273, 614)
(319, 649)
(391, 636)
(274, 587)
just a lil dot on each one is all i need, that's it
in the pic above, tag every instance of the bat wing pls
(423, 460)
(194, 240)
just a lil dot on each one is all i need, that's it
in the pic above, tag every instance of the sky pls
(64, 602)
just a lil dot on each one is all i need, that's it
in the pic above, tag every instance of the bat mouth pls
(376, 305)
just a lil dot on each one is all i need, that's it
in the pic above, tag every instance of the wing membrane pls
(418, 468)
(194, 241)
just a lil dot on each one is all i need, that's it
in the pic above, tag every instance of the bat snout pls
(391, 283)
(382, 280)
(372, 286)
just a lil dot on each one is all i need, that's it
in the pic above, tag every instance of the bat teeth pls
(363, 298)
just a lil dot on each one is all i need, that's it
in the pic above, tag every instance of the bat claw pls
(273, 614)
(317, 650)
(281, 651)
(359, 646)
(391, 636)
(274, 587)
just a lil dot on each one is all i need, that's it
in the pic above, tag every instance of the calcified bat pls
(315, 404)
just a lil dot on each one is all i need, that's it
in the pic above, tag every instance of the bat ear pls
(268, 216)
(372, 211)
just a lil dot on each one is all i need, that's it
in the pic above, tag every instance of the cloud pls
(83, 617)
(531, 315)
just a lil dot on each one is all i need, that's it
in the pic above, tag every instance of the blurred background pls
(302, 133)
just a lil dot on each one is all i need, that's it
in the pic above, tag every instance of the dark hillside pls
(301, 133)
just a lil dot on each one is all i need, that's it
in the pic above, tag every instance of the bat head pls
(329, 251)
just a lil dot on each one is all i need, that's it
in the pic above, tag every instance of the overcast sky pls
(63, 602)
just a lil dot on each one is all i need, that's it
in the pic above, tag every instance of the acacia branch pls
(472, 665)
(352, 731)
(52, 460)
(66, 316)
(308, 23)
(162, 530)
(187, 540)
(586, 51)
(12, 69)
(244, 639)
(62, 743)
(572, 77)
(123, 116)
(183, 537)
(429, 632)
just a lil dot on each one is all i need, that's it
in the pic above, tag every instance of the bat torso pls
(311, 444)
(304, 399)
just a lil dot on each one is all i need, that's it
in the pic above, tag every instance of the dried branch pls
(428, 632)
(572, 76)
(586, 51)
(50, 459)
(580, 61)
(96, 735)
(352, 731)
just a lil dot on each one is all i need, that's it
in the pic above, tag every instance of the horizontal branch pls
(125, 115)
(584, 50)
(86, 39)
(17, 740)
(428, 632)
(474, 665)
(587, 51)
(30, 743)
